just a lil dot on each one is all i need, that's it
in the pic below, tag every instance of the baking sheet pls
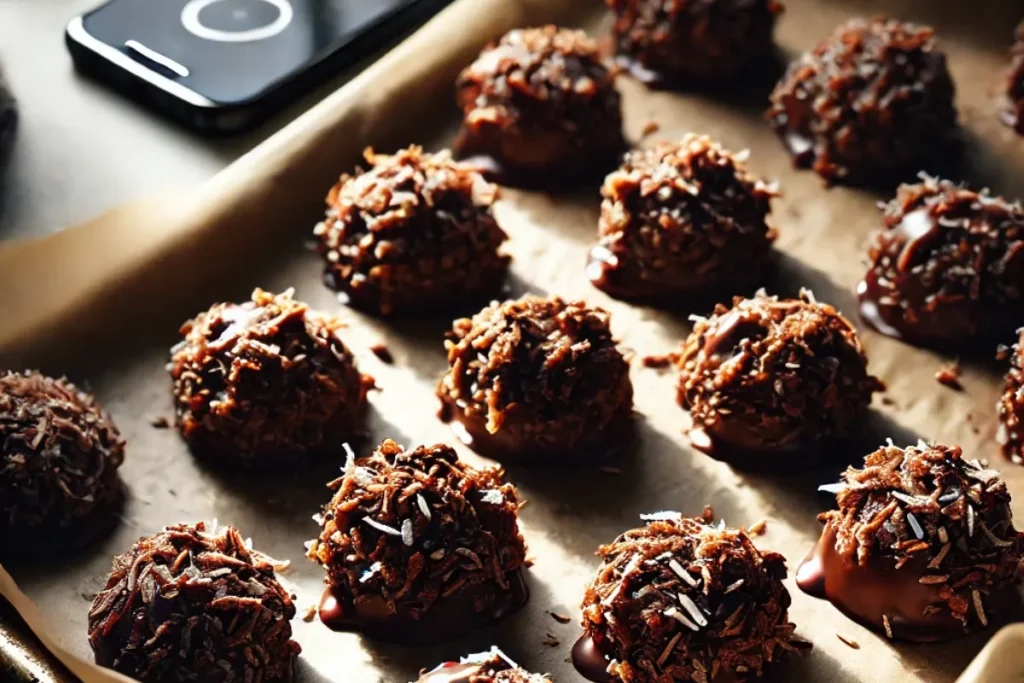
(119, 338)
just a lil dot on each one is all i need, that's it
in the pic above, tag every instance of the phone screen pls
(232, 50)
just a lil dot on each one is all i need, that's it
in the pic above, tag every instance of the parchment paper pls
(102, 302)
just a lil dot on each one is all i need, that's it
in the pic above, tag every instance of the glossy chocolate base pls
(510, 445)
(559, 169)
(865, 593)
(949, 328)
(426, 304)
(752, 455)
(447, 619)
(684, 290)
(591, 663)
(44, 543)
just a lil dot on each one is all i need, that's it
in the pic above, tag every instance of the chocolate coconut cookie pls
(1011, 406)
(922, 546)
(539, 106)
(1012, 112)
(265, 382)
(419, 547)
(413, 233)
(59, 454)
(680, 600)
(486, 667)
(683, 220)
(194, 603)
(537, 380)
(872, 102)
(947, 269)
(772, 376)
(664, 42)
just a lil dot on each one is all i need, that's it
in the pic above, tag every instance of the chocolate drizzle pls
(947, 270)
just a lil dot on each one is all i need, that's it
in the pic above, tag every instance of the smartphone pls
(222, 66)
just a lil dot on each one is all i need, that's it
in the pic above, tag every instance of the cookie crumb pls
(608, 469)
(657, 360)
(650, 128)
(160, 422)
(758, 528)
(560, 618)
(551, 641)
(383, 353)
(848, 641)
(949, 376)
(310, 614)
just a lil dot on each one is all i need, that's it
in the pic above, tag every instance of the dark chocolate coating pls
(413, 234)
(770, 377)
(668, 42)
(947, 270)
(492, 667)
(1012, 111)
(539, 381)
(683, 600)
(870, 103)
(59, 455)
(194, 604)
(266, 383)
(539, 107)
(922, 546)
(680, 222)
(418, 547)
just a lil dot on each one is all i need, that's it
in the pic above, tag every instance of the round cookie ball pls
(1012, 112)
(486, 667)
(870, 103)
(59, 454)
(667, 41)
(770, 377)
(537, 380)
(266, 382)
(1010, 406)
(922, 547)
(947, 269)
(681, 600)
(419, 547)
(684, 220)
(194, 603)
(413, 233)
(540, 106)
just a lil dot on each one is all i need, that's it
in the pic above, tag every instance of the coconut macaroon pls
(681, 599)
(266, 383)
(194, 603)
(680, 222)
(59, 456)
(414, 233)
(487, 667)
(768, 377)
(922, 546)
(538, 380)
(419, 547)
(540, 106)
